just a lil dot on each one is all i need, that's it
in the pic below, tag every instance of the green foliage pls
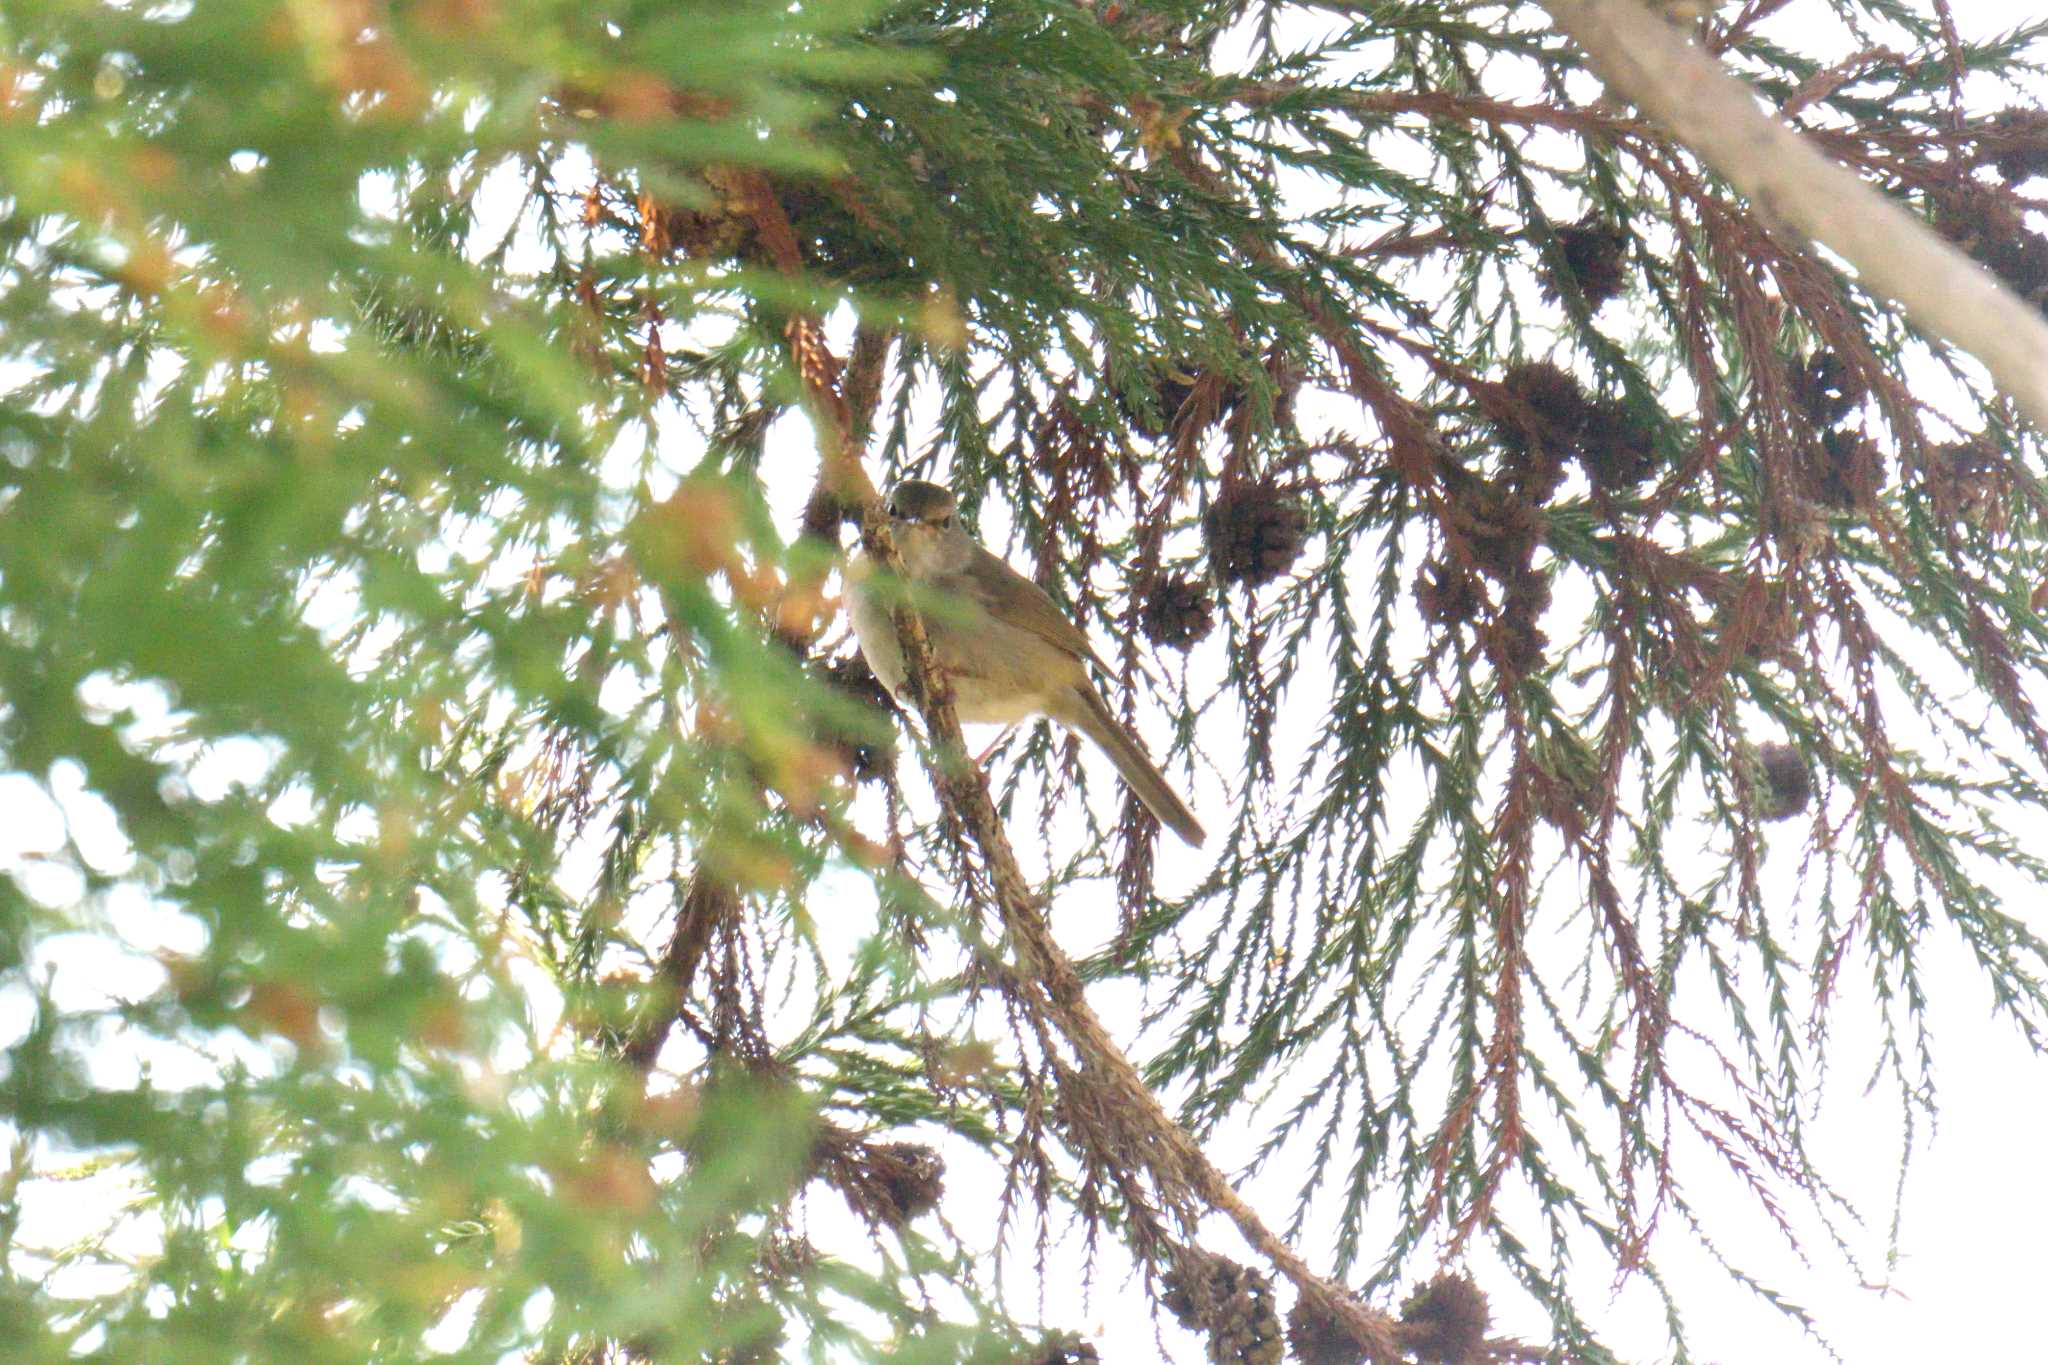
(461, 904)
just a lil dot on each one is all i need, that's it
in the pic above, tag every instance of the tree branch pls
(1178, 1166)
(710, 901)
(1782, 173)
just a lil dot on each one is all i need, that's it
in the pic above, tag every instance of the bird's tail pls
(1086, 712)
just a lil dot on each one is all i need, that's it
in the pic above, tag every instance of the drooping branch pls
(1048, 986)
(1893, 252)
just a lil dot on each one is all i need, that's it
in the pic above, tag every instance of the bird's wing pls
(1012, 598)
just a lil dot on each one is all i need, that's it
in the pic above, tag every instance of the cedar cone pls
(1853, 470)
(1970, 212)
(1503, 529)
(1523, 643)
(1592, 259)
(1231, 1305)
(853, 679)
(1962, 476)
(1825, 390)
(1528, 594)
(1788, 786)
(1254, 533)
(1316, 1338)
(1444, 1322)
(912, 1176)
(1177, 612)
(1445, 594)
(2016, 144)
(1551, 408)
(1617, 450)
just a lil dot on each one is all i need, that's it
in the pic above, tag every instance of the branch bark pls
(1706, 107)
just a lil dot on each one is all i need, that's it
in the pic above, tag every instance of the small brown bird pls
(1008, 650)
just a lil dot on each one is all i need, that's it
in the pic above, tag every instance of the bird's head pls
(916, 502)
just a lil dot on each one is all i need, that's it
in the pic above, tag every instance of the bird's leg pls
(982, 762)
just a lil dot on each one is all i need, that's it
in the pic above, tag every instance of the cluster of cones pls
(1252, 533)
(1443, 1322)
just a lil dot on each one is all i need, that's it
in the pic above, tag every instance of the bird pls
(1008, 649)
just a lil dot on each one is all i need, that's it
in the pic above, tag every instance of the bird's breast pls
(1000, 674)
